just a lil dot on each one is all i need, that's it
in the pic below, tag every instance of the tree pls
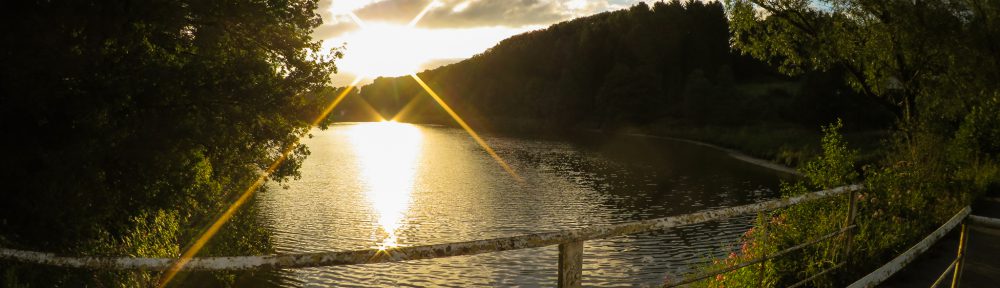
(899, 51)
(935, 63)
(120, 114)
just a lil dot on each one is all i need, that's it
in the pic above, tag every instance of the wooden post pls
(570, 264)
(852, 205)
(959, 261)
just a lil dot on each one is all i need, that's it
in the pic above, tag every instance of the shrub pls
(784, 228)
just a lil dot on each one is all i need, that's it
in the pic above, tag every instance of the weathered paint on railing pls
(882, 273)
(415, 252)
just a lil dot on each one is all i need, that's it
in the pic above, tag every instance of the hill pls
(671, 63)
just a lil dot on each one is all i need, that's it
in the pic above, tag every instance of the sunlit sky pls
(449, 31)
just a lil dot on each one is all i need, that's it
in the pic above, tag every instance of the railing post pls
(570, 264)
(851, 207)
(959, 261)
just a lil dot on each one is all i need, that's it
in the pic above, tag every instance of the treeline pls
(669, 62)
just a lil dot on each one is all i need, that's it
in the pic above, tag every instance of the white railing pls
(570, 246)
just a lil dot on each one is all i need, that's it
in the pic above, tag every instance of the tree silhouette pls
(624, 68)
(126, 118)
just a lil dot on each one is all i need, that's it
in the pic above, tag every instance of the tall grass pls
(902, 202)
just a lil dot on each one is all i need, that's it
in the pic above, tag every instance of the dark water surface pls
(386, 184)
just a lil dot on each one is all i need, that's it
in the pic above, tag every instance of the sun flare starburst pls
(458, 119)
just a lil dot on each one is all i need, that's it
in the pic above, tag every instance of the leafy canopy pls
(942, 53)
(122, 113)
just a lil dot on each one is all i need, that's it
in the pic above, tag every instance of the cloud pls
(511, 13)
(462, 13)
(333, 30)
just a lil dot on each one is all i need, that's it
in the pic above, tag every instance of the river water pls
(390, 184)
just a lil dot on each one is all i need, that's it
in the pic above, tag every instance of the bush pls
(784, 228)
(914, 191)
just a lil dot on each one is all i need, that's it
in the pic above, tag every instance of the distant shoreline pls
(732, 153)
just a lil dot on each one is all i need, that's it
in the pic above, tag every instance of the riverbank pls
(765, 143)
(778, 147)
(732, 153)
(779, 144)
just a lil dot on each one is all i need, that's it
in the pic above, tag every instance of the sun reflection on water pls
(387, 154)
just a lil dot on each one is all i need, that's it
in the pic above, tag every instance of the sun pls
(390, 49)
(383, 49)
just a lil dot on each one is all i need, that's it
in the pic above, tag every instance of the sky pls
(388, 42)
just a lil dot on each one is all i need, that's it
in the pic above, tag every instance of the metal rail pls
(881, 274)
(957, 265)
(761, 259)
(848, 228)
(944, 274)
(821, 273)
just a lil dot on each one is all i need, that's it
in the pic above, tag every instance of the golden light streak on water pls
(387, 153)
(171, 272)
(475, 136)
